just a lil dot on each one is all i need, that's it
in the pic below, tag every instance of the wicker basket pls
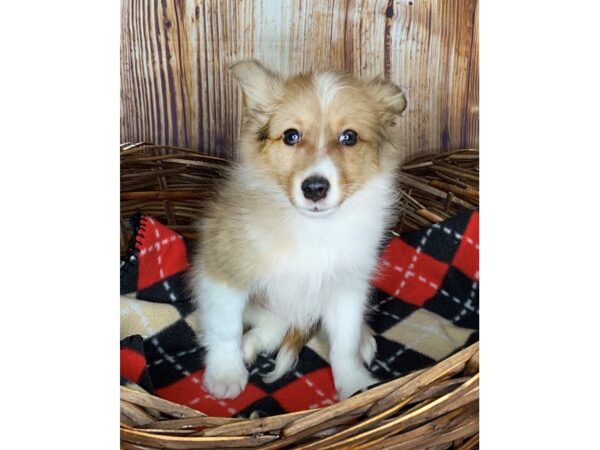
(435, 408)
(170, 184)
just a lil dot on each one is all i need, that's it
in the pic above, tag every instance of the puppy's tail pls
(287, 356)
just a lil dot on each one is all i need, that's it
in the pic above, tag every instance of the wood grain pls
(176, 89)
(434, 51)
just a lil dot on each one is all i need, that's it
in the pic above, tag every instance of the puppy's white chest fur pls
(322, 254)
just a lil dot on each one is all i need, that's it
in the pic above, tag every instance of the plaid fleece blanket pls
(425, 306)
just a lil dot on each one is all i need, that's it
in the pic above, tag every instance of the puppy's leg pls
(343, 320)
(266, 332)
(220, 309)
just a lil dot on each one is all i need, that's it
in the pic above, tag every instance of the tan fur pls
(295, 339)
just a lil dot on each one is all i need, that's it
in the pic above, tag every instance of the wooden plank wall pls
(176, 89)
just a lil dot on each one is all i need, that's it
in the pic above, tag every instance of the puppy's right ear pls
(261, 87)
(389, 97)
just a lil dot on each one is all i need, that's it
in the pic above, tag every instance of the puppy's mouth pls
(316, 211)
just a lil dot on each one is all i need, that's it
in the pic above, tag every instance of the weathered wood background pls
(176, 89)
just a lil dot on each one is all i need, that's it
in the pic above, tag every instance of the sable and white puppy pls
(292, 240)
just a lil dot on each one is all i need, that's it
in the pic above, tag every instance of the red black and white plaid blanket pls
(425, 306)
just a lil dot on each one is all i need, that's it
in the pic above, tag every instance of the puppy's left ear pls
(261, 87)
(390, 98)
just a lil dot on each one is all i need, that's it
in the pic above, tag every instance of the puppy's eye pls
(291, 137)
(348, 137)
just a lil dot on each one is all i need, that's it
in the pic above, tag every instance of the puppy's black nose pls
(315, 188)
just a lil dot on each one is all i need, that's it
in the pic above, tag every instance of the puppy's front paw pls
(353, 381)
(225, 379)
(368, 348)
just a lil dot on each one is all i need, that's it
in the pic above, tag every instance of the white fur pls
(220, 311)
(327, 85)
(343, 320)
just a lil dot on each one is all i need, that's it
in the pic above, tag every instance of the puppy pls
(292, 240)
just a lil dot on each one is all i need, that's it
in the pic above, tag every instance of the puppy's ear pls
(261, 87)
(390, 98)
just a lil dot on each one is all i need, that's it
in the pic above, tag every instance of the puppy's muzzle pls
(315, 188)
